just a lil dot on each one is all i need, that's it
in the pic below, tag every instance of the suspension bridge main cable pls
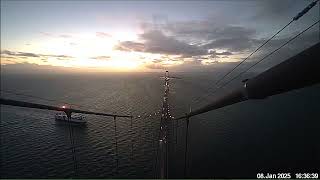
(287, 42)
(298, 16)
(46, 99)
(257, 62)
(41, 98)
(52, 100)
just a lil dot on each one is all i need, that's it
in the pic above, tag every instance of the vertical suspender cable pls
(176, 141)
(177, 125)
(131, 131)
(167, 146)
(152, 143)
(116, 139)
(176, 131)
(153, 149)
(186, 149)
(157, 153)
(72, 148)
(172, 138)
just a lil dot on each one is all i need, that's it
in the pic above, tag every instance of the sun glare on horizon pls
(82, 50)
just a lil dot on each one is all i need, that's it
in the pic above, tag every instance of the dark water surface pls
(279, 134)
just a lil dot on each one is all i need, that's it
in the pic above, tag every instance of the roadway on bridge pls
(163, 139)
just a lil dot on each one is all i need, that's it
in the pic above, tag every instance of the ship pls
(76, 119)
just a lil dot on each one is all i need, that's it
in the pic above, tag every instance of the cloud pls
(130, 46)
(226, 53)
(155, 66)
(207, 30)
(217, 54)
(213, 36)
(158, 43)
(206, 42)
(102, 34)
(47, 34)
(19, 54)
(14, 54)
(54, 35)
(65, 36)
(25, 54)
(102, 58)
(205, 34)
(234, 44)
(59, 56)
(204, 62)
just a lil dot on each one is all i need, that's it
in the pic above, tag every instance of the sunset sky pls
(145, 35)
